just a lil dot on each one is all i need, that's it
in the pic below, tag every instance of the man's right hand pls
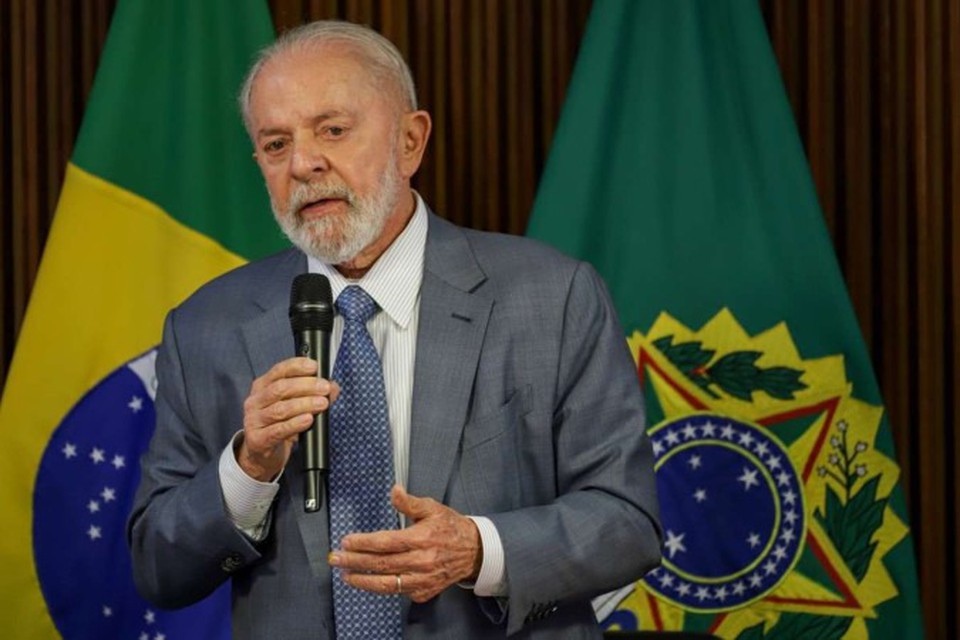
(281, 404)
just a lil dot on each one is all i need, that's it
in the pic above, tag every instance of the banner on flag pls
(677, 171)
(160, 196)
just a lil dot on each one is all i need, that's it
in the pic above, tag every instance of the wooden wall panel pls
(875, 88)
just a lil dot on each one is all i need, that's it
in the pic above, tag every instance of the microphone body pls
(311, 319)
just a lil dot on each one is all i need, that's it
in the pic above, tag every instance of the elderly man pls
(489, 470)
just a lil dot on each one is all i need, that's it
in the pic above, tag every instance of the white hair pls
(379, 55)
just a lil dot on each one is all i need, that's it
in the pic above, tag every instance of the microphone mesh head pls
(311, 303)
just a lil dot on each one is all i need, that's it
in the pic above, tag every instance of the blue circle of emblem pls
(732, 512)
(82, 497)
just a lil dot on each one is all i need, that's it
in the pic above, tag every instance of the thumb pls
(411, 506)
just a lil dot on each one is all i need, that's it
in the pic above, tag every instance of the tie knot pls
(355, 304)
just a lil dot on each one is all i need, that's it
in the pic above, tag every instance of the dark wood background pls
(875, 87)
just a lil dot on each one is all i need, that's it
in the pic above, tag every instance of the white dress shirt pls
(394, 283)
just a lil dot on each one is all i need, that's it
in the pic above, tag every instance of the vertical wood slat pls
(492, 122)
(894, 354)
(857, 118)
(820, 123)
(930, 330)
(7, 271)
(459, 115)
(952, 209)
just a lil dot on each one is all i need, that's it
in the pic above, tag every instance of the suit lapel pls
(453, 322)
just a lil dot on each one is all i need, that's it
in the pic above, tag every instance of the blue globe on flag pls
(84, 491)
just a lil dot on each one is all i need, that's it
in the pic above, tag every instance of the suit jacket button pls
(231, 563)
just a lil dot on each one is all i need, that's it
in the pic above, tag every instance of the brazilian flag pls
(677, 171)
(161, 195)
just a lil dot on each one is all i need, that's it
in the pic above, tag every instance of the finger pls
(262, 440)
(405, 562)
(375, 583)
(301, 386)
(286, 409)
(289, 368)
(417, 588)
(393, 541)
(334, 391)
(411, 506)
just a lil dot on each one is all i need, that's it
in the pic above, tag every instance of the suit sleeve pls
(602, 530)
(182, 541)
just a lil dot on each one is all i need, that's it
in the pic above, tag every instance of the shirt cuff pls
(492, 580)
(247, 500)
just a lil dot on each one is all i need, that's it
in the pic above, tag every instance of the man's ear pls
(414, 133)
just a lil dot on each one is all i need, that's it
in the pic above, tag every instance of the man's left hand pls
(439, 549)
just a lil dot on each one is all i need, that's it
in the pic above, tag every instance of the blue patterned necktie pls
(361, 467)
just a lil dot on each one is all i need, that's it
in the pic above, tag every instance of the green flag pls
(161, 195)
(677, 171)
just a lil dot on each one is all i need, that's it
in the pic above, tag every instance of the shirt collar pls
(394, 279)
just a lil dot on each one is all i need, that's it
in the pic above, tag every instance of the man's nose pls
(309, 159)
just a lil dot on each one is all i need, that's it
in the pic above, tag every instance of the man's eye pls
(336, 132)
(274, 146)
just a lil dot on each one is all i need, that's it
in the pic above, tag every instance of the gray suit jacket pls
(526, 409)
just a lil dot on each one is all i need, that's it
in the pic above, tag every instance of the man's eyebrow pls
(270, 132)
(315, 120)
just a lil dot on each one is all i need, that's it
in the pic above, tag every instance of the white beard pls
(338, 238)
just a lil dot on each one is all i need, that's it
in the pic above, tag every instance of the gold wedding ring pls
(399, 584)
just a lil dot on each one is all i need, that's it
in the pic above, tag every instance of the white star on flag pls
(69, 450)
(749, 478)
(756, 580)
(694, 462)
(94, 532)
(700, 495)
(684, 588)
(689, 432)
(753, 540)
(93, 506)
(150, 617)
(107, 611)
(674, 543)
(97, 455)
(672, 437)
(144, 636)
(727, 432)
(135, 404)
(118, 462)
(108, 494)
(708, 429)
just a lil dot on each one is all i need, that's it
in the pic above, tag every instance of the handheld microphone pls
(311, 318)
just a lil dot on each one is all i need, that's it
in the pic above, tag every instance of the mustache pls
(305, 193)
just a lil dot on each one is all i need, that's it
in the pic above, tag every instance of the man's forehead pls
(314, 57)
(330, 83)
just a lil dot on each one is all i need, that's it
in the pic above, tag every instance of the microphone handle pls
(315, 344)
